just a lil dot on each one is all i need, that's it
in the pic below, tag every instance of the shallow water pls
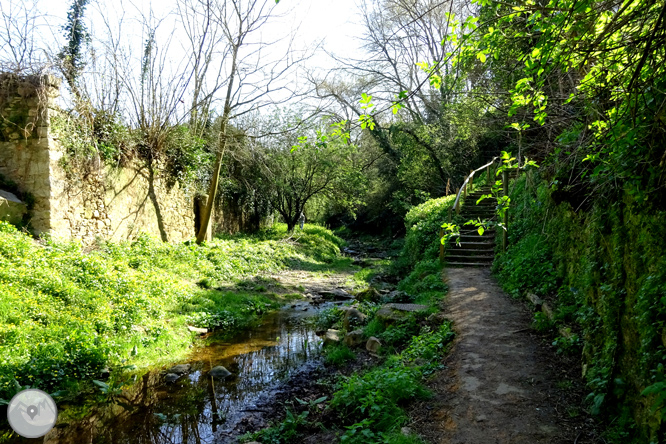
(197, 409)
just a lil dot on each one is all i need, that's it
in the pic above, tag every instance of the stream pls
(197, 409)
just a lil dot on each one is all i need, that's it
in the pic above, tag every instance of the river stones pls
(369, 295)
(353, 317)
(180, 369)
(332, 337)
(373, 345)
(399, 296)
(171, 378)
(219, 372)
(354, 338)
(336, 294)
(436, 319)
(397, 312)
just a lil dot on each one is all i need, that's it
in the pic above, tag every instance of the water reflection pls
(197, 409)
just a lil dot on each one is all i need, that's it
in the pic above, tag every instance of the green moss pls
(605, 271)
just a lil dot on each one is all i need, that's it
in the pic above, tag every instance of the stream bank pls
(270, 363)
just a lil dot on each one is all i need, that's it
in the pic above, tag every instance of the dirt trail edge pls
(496, 387)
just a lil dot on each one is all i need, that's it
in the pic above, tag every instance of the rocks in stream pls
(354, 338)
(361, 262)
(373, 345)
(332, 337)
(170, 378)
(180, 369)
(369, 295)
(352, 318)
(397, 312)
(335, 295)
(220, 372)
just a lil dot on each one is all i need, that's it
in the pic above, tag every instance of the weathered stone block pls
(12, 208)
(332, 337)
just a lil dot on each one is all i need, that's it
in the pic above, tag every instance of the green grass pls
(65, 314)
(338, 355)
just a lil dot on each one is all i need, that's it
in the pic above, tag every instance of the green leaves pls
(398, 105)
(433, 71)
(367, 119)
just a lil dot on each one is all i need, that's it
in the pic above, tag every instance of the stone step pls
(465, 231)
(483, 204)
(470, 252)
(473, 245)
(479, 207)
(469, 258)
(468, 264)
(481, 214)
(464, 238)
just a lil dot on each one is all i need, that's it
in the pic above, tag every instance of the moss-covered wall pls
(96, 202)
(604, 270)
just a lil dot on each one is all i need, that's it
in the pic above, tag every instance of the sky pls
(334, 21)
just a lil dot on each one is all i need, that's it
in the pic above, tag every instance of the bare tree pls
(256, 69)
(402, 37)
(20, 48)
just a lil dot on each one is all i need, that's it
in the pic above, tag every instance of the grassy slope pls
(65, 314)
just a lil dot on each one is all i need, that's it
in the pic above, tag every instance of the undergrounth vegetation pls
(366, 402)
(69, 314)
(602, 273)
(376, 139)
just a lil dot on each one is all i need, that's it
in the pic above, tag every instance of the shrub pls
(372, 400)
(423, 224)
(338, 354)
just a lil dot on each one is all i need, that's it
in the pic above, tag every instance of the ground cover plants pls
(369, 394)
(601, 271)
(69, 314)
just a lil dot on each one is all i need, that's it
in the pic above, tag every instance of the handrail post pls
(441, 245)
(505, 234)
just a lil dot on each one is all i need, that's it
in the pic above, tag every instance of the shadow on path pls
(498, 383)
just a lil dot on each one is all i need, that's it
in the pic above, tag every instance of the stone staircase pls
(474, 250)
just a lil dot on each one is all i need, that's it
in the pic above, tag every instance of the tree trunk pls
(222, 146)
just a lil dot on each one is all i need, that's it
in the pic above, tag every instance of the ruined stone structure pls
(102, 202)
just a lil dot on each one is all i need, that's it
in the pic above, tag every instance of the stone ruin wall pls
(108, 203)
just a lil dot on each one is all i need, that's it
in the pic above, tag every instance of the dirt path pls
(498, 386)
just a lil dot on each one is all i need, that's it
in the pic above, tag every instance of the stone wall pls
(100, 202)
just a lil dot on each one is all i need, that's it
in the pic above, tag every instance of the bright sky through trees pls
(333, 21)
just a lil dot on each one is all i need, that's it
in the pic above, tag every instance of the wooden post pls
(505, 232)
(490, 184)
(441, 245)
(448, 186)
